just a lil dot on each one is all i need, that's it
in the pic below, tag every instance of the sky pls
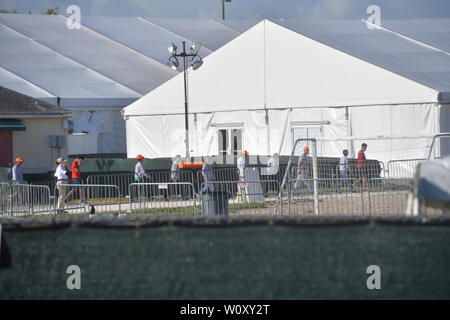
(241, 9)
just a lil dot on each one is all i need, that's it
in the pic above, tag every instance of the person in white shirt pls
(271, 173)
(62, 178)
(345, 172)
(241, 162)
(241, 172)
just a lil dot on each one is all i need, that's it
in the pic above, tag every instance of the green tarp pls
(257, 260)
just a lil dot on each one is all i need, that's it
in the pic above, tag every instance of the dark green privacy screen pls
(256, 259)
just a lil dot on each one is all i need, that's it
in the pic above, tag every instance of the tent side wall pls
(105, 133)
(444, 122)
(163, 136)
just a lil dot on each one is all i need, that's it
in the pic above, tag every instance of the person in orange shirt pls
(76, 178)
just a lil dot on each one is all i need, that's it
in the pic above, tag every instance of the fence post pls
(368, 195)
(118, 198)
(315, 177)
(30, 199)
(362, 198)
(193, 197)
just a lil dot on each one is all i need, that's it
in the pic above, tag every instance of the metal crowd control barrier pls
(163, 199)
(403, 168)
(380, 196)
(50, 183)
(87, 199)
(246, 197)
(124, 180)
(25, 199)
(232, 174)
(388, 196)
(5, 198)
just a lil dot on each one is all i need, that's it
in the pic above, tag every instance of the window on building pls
(304, 133)
(229, 141)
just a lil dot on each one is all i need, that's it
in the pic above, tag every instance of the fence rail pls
(87, 199)
(334, 196)
(124, 180)
(163, 198)
(403, 168)
(380, 196)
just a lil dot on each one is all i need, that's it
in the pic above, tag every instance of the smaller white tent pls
(273, 84)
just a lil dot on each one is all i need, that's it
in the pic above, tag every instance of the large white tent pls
(281, 80)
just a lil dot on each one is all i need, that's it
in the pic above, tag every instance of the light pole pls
(223, 8)
(196, 62)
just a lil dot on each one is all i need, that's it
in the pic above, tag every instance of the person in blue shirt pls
(17, 174)
(208, 176)
(17, 178)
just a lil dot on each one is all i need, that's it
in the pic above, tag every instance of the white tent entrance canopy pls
(273, 84)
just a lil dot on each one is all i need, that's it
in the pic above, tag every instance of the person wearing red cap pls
(17, 177)
(303, 176)
(139, 171)
(17, 174)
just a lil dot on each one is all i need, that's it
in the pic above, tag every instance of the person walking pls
(17, 172)
(208, 176)
(344, 171)
(76, 178)
(241, 166)
(17, 178)
(361, 166)
(175, 176)
(140, 174)
(62, 178)
(273, 165)
(303, 176)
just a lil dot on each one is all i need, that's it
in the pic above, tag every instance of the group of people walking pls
(271, 181)
(140, 176)
(344, 169)
(62, 175)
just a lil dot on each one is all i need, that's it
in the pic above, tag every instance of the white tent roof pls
(380, 47)
(210, 33)
(58, 75)
(113, 61)
(434, 32)
(109, 62)
(275, 67)
(119, 63)
(18, 84)
(140, 35)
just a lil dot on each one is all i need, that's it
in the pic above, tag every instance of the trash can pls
(215, 203)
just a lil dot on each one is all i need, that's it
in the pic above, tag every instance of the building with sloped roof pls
(32, 129)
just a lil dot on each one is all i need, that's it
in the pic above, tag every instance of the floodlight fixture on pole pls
(195, 62)
(223, 8)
